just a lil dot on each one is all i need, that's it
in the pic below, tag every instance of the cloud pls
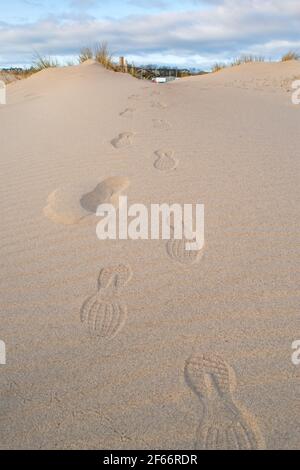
(146, 4)
(84, 4)
(220, 31)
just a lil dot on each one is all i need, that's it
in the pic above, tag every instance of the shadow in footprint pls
(72, 203)
(106, 192)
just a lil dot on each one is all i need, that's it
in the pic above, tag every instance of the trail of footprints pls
(165, 161)
(224, 424)
(104, 314)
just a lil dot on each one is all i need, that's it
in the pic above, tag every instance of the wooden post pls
(123, 64)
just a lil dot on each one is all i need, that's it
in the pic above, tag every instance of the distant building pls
(163, 79)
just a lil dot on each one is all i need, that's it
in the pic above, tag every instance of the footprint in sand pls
(30, 95)
(123, 140)
(177, 251)
(159, 105)
(73, 203)
(165, 160)
(161, 124)
(134, 97)
(127, 113)
(225, 424)
(103, 313)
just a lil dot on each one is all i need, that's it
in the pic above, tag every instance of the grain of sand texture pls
(132, 344)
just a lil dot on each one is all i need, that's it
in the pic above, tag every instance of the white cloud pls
(82, 3)
(224, 29)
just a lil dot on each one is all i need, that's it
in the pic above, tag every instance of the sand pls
(132, 344)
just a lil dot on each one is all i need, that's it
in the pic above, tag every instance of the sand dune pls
(139, 344)
(264, 76)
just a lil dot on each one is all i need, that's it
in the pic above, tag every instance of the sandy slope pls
(196, 355)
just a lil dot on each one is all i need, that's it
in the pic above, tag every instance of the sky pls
(185, 33)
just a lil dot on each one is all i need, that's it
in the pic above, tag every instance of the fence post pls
(123, 64)
(2, 92)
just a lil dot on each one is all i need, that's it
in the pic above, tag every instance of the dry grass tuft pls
(217, 67)
(41, 63)
(291, 55)
(100, 53)
(85, 54)
(104, 56)
(246, 59)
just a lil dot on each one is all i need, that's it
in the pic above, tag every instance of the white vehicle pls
(159, 79)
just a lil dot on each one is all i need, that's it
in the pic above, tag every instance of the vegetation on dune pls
(246, 59)
(132, 70)
(291, 55)
(12, 74)
(217, 67)
(41, 63)
(85, 54)
(100, 52)
(243, 59)
(103, 56)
